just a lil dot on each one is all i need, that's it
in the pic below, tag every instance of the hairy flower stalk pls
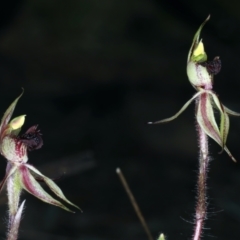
(201, 206)
(200, 74)
(19, 174)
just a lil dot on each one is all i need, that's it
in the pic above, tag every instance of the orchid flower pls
(200, 74)
(19, 174)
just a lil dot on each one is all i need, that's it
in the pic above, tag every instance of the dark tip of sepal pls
(221, 151)
(152, 123)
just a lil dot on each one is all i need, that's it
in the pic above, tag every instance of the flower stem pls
(15, 211)
(201, 207)
(14, 223)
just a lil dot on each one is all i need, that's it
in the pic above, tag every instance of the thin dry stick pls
(134, 203)
(201, 207)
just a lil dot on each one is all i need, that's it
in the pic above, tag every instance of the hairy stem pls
(14, 223)
(201, 207)
(15, 211)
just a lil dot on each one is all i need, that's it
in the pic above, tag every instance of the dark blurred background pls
(94, 72)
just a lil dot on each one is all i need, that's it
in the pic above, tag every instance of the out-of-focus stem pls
(134, 203)
(201, 207)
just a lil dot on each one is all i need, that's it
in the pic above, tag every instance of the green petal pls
(30, 184)
(224, 120)
(7, 115)
(179, 112)
(230, 112)
(206, 120)
(224, 127)
(53, 186)
(7, 175)
(200, 58)
(14, 191)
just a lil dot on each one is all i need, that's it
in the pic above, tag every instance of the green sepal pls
(201, 57)
(7, 116)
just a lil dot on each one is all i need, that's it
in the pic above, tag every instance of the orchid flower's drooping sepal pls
(30, 184)
(184, 107)
(206, 120)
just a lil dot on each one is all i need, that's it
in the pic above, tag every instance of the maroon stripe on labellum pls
(20, 148)
(27, 180)
(33, 187)
(203, 108)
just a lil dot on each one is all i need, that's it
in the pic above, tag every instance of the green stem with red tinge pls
(201, 206)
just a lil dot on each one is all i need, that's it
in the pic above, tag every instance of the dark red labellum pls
(214, 66)
(32, 138)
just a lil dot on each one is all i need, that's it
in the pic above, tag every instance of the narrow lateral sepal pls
(30, 184)
(184, 107)
(52, 185)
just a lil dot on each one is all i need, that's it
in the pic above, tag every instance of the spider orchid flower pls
(200, 74)
(19, 174)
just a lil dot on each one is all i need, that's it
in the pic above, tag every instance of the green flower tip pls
(161, 237)
(15, 125)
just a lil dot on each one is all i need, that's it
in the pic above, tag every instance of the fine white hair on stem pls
(14, 224)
